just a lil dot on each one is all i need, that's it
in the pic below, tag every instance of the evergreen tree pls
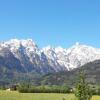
(82, 91)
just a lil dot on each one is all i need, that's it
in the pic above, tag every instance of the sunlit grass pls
(8, 95)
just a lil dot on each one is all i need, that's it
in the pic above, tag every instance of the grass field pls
(8, 95)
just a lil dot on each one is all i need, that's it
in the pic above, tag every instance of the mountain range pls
(23, 60)
(26, 56)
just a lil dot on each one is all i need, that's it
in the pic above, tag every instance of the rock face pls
(25, 56)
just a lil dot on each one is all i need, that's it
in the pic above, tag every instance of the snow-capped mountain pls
(28, 57)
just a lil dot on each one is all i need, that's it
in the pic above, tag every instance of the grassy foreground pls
(8, 95)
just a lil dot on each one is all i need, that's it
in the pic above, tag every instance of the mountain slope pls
(92, 72)
(25, 56)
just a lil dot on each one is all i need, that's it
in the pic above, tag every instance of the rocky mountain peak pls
(50, 59)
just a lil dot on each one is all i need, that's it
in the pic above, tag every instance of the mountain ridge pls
(48, 59)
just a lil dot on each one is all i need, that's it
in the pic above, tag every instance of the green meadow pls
(9, 95)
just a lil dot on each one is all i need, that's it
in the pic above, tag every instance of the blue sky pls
(51, 22)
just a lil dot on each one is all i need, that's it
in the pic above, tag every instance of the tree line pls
(26, 88)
